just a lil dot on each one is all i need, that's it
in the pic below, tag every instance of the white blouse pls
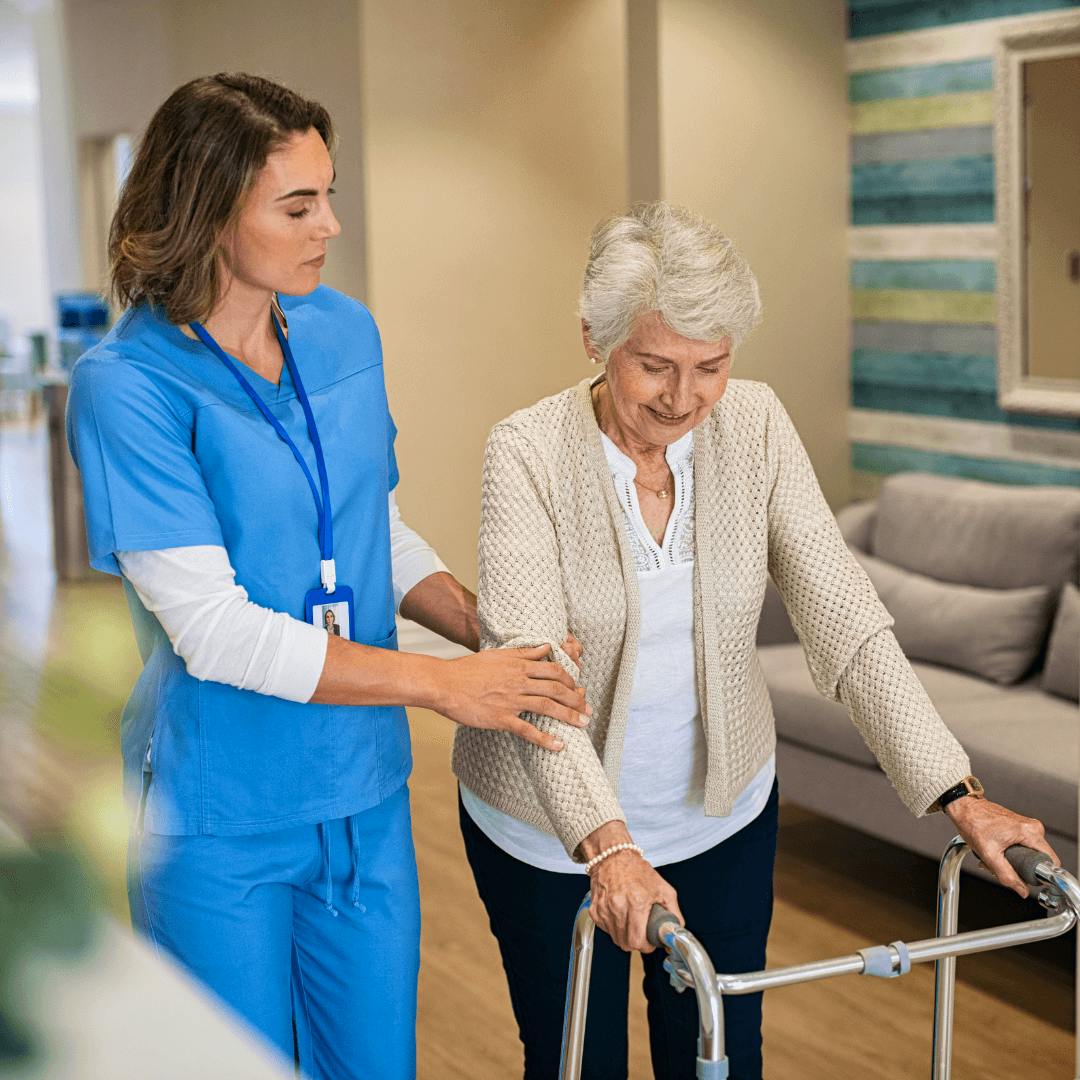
(662, 778)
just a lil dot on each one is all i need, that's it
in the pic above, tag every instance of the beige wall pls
(55, 136)
(24, 298)
(495, 139)
(120, 66)
(312, 48)
(495, 134)
(753, 99)
(126, 56)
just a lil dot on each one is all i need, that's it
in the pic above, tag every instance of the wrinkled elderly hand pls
(624, 888)
(990, 828)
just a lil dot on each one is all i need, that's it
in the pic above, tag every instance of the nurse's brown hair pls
(196, 161)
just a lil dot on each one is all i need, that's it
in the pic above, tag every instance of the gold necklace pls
(594, 396)
(661, 493)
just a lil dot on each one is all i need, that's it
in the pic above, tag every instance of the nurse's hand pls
(491, 689)
(572, 647)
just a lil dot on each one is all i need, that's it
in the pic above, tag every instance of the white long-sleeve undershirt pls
(223, 637)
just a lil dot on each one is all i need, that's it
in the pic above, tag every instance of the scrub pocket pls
(392, 757)
(147, 780)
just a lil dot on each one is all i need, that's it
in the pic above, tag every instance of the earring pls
(597, 359)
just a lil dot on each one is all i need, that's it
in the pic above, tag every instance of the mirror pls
(1037, 151)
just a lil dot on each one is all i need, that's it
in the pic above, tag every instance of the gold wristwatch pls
(970, 785)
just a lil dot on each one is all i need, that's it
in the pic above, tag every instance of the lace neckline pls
(677, 547)
(623, 465)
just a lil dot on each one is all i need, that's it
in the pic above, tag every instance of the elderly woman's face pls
(662, 384)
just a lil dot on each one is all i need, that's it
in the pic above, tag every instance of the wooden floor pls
(67, 659)
(1014, 1013)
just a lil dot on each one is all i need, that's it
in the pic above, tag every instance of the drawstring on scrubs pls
(354, 843)
(354, 853)
(324, 836)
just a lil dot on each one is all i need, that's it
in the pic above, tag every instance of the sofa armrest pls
(856, 521)
(775, 627)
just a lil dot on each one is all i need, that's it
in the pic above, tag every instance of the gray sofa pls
(963, 566)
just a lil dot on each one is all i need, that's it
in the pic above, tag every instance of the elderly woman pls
(643, 511)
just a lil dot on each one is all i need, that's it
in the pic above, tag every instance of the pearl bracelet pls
(596, 860)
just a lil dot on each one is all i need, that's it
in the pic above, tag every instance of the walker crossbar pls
(690, 967)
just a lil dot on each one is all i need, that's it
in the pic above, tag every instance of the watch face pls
(974, 786)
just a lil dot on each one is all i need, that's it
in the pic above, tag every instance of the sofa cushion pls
(1024, 744)
(856, 521)
(1062, 672)
(995, 633)
(803, 716)
(995, 536)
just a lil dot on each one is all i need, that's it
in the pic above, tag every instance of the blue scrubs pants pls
(318, 924)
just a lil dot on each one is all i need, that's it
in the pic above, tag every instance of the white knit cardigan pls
(554, 558)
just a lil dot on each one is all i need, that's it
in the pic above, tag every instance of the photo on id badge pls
(333, 618)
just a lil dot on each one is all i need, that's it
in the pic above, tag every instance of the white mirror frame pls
(1039, 39)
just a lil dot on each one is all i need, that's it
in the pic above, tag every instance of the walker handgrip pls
(1024, 860)
(658, 918)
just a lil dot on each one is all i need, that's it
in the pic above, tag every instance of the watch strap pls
(970, 785)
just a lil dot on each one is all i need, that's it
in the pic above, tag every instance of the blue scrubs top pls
(172, 452)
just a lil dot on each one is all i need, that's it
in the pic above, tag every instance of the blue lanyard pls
(320, 494)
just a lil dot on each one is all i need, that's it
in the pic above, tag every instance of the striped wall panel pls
(871, 17)
(923, 248)
(920, 113)
(941, 44)
(926, 145)
(923, 306)
(957, 275)
(880, 461)
(931, 80)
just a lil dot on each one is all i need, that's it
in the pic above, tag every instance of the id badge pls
(332, 612)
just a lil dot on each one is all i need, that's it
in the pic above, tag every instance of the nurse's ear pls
(226, 256)
(226, 245)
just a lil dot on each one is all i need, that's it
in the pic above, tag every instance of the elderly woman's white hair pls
(663, 258)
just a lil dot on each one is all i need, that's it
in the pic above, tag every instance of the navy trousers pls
(726, 896)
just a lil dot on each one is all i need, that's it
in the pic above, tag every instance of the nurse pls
(237, 460)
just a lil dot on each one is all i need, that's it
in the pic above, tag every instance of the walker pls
(689, 966)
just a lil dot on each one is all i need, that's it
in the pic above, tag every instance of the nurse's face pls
(278, 243)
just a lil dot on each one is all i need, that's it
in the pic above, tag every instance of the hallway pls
(68, 657)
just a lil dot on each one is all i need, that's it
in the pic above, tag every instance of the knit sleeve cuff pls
(582, 826)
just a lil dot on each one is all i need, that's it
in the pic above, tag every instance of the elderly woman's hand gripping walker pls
(642, 510)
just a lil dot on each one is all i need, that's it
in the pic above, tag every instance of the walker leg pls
(577, 993)
(664, 930)
(948, 912)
